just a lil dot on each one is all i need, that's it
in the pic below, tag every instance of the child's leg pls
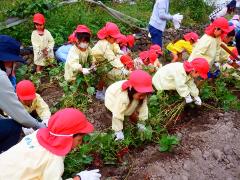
(39, 69)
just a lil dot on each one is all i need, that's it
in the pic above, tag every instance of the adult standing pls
(158, 20)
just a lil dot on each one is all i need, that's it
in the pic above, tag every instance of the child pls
(32, 101)
(177, 48)
(208, 46)
(42, 42)
(180, 77)
(226, 39)
(107, 50)
(9, 55)
(80, 55)
(41, 154)
(147, 58)
(126, 42)
(127, 62)
(128, 98)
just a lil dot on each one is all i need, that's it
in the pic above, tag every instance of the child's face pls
(228, 39)
(82, 45)
(194, 74)
(218, 32)
(77, 140)
(192, 41)
(27, 102)
(111, 40)
(146, 61)
(139, 96)
(39, 27)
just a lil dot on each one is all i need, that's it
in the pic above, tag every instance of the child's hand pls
(45, 52)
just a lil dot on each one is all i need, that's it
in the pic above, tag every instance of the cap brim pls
(230, 28)
(144, 90)
(27, 98)
(116, 36)
(204, 76)
(6, 57)
(87, 129)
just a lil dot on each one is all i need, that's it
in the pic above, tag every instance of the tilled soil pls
(209, 150)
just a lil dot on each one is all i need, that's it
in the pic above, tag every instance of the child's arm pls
(112, 59)
(116, 49)
(194, 92)
(36, 44)
(181, 86)
(187, 46)
(54, 169)
(50, 42)
(73, 60)
(42, 109)
(143, 111)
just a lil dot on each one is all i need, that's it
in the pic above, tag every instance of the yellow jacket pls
(180, 46)
(41, 107)
(118, 103)
(207, 47)
(75, 60)
(39, 43)
(29, 160)
(104, 50)
(174, 77)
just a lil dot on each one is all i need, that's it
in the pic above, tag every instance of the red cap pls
(82, 29)
(122, 40)
(156, 48)
(148, 56)
(234, 51)
(110, 29)
(221, 23)
(198, 64)
(191, 36)
(72, 38)
(39, 18)
(58, 136)
(25, 90)
(127, 61)
(130, 40)
(140, 80)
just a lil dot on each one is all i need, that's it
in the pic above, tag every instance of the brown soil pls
(209, 150)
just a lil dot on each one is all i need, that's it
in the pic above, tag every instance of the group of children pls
(127, 96)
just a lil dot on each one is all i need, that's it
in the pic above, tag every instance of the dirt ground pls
(209, 150)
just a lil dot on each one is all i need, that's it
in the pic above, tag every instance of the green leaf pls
(91, 90)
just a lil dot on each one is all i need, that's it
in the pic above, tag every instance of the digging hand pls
(90, 175)
(198, 101)
(119, 135)
(85, 71)
(141, 127)
(188, 99)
